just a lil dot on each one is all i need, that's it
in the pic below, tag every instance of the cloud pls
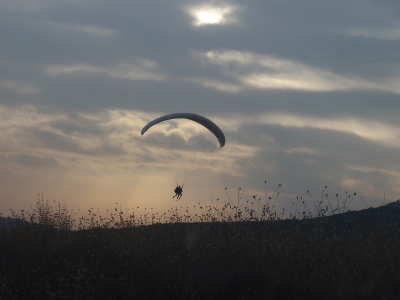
(375, 170)
(302, 151)
(218, 85)
(377, 132)
(249, 70)
(286, 92)
(114, 135)
(374, 131)
(96, 31)
(307, 158)
(91, 146)
(69, 28)
(77, 155)
(19, 87)
(141, 69)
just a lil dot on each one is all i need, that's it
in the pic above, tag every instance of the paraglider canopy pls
(211, 126)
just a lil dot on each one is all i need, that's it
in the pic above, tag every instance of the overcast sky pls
(307, 93)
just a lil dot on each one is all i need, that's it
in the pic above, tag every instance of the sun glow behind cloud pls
(211, 15)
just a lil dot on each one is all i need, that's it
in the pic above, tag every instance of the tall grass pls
(243, 207)
(238, 248)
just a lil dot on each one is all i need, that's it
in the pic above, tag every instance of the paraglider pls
(207, 123)
(211, 126)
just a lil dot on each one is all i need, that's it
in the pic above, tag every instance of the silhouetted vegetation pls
(236, 252)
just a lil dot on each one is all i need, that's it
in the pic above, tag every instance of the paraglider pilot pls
(178, 192)
(211, 126)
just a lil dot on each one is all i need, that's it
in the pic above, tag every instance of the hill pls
(355, 255)
(11, 222)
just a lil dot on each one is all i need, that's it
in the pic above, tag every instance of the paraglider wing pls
(194, 117)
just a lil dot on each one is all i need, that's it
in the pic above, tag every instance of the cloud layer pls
(307, 94)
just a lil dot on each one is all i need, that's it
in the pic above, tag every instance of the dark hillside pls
(10, 221)
(355, 255)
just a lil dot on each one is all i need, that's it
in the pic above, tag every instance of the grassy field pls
(353, 255)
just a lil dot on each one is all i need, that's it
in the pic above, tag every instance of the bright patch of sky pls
(211, 15)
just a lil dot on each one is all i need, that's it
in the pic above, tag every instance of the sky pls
(307, 93)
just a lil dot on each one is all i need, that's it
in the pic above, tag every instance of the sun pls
(208, 15)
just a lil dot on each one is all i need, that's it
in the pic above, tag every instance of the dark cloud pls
(312, 33)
